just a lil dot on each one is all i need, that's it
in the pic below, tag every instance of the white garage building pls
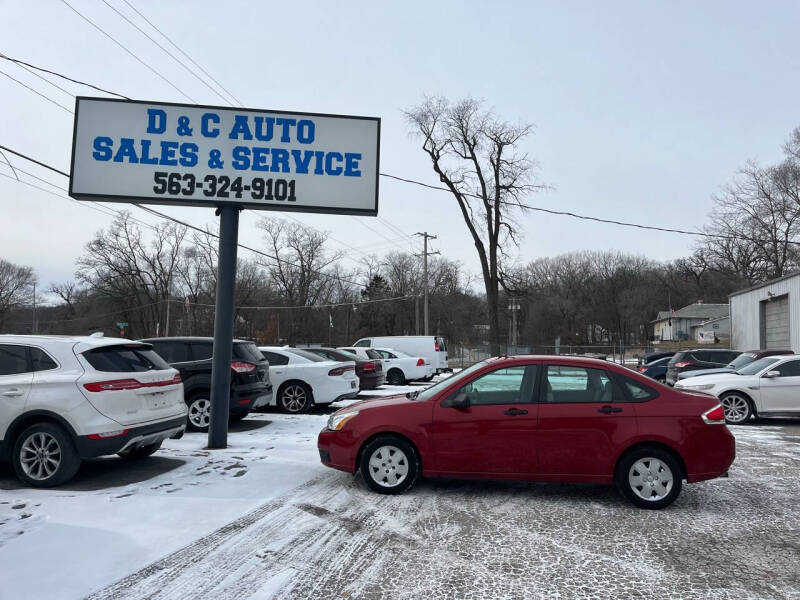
(767, 315)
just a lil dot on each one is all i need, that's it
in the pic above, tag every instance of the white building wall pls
(746, 313)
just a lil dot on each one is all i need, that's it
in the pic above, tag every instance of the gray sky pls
(642, 110)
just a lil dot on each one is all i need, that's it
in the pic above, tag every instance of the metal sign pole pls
(223, 326)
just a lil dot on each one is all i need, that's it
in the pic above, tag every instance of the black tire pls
(657, 465)
(738, 407)
(394, 454)
(294, 398)
(52, 439)
(140, 452)
(199, 417)
(395, 377)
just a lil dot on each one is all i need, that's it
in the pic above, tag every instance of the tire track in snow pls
(333, 538)
(281, 535)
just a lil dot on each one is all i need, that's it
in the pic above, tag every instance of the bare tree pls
(16, 288)
(134, 271)
(476, 156)
(70, 295)
(300, 268)
(755, 224)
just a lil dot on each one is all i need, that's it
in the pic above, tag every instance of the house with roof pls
(674, 325)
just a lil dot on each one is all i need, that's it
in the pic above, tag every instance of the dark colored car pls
(698, 358)
(541, 418)
(656, 369)
(370, 372)
(744, 359)
(654, 356)
(191, 356)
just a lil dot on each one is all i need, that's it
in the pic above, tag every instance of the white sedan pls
(768, 387)
(401, 367)
(301, 379)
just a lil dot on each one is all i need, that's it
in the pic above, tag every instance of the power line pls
(61, 75)
(43, 78)
(189, 225)
(38, 93)
(121, 45)
(354, 303)
(167, 52)
(468, 194)
(179, 49)
(590, 218)
(106, 210)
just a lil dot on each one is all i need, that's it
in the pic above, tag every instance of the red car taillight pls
(128, 384)
(243, 367)
(436, 346)
(339, 371)
(421, 362)
(370, 366)
(683, 363)
(714, 416)
(641, 369)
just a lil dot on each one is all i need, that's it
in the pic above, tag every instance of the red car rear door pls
(496, 432)
(583, 421)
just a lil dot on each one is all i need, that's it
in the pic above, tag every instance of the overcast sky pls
(642, 111)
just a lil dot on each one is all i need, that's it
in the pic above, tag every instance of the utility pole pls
(416, 314)
(513, 306)
(426, 236)
(169, 289)
(33, 321)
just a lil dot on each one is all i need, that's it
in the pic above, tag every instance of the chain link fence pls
(460, 356)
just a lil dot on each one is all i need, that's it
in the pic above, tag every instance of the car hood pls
(378, 402)
(702, 372)
(716, 379)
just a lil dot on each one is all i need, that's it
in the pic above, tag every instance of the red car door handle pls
(609, 409)
(513, 412)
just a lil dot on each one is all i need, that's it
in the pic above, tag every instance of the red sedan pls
(543, 418)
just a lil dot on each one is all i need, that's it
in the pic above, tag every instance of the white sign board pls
(705, 337)
(190, 155)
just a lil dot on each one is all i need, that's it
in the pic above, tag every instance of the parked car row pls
(767, 387)
(69, 398)
(753, 383)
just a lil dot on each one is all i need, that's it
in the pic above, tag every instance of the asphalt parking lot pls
(331, 538)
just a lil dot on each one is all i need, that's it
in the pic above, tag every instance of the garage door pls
(776, 323)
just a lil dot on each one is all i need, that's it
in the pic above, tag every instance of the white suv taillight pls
(108, 434)
(116, 385)
(714, 416)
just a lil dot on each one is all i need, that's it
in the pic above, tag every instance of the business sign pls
(706, 337)
(191, 155)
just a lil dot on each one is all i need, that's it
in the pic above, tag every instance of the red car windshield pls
(430, 392)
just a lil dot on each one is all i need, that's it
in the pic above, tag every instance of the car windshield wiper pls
(412, 395)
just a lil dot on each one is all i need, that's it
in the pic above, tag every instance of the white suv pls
(63, 399)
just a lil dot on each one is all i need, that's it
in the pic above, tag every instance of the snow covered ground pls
(264, 519)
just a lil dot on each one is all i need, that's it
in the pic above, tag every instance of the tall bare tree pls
(300, 268)
(477, 157)
(134, 270)
(16, 287)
